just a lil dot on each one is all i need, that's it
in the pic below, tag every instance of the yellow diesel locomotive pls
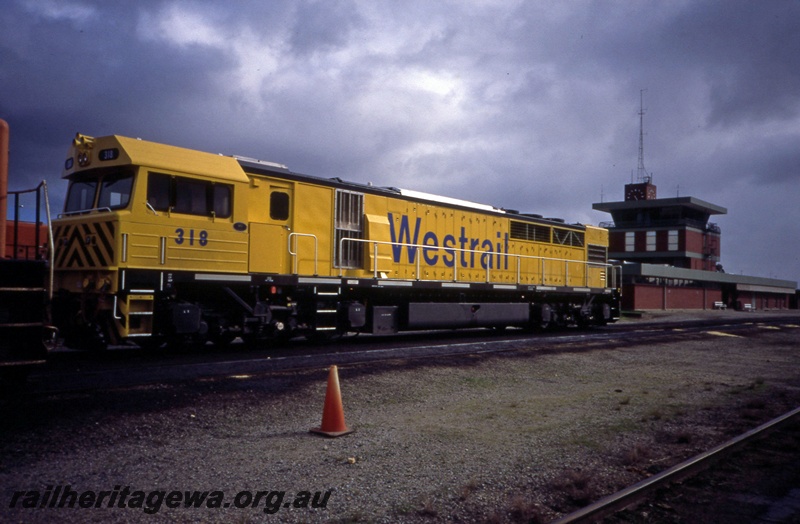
(159, 243)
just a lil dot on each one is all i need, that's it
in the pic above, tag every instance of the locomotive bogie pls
(159, 243)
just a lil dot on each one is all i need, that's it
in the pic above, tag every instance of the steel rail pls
(636, 493)
(51, 380)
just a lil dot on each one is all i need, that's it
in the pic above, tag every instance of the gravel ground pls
(528, 435)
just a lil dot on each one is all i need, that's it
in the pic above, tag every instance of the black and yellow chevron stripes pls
(86, 245)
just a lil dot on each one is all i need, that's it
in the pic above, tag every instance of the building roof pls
(742, 282)
(695, 204)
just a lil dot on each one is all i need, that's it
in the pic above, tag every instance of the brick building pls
(671, 256)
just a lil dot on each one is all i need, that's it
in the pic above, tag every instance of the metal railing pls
(486, 263)
(709, 227)
(38, 247)
(613, 273)
(41, 192)
(293, 250)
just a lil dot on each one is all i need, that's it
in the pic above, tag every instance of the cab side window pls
(222, 200)
(189, 196)
(158, 191)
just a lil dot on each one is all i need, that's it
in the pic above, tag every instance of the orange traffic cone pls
(333, 413)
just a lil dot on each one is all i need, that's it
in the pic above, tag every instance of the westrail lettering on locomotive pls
(445, 249)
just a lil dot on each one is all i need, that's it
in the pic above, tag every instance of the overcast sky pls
(528, 105)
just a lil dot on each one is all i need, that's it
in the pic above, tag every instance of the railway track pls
(492, 437)
(70, 371)
(644, 489)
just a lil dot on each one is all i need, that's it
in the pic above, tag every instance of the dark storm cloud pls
(95, 70)
(68, 69)
(322, 26)
(767, 161)
(751, 54)
(530, 105)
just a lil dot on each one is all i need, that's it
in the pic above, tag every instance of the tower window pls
(672, 242)
(630, 241)
(651, 240)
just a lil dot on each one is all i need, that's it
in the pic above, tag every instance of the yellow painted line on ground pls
(768, 327)
(793, 326)
(722, 334)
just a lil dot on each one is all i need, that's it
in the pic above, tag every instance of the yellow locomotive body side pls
(415, 240)
(158, 241)
(597, 258)
(431, 241)
(295, 241)
(451, 244)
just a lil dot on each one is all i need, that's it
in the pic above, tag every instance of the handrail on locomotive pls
(611, 269)
(518, 257)
(293, 253)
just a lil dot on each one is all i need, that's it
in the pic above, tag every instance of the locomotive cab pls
(135, 218)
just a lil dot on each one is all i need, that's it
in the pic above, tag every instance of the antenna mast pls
(641, 173)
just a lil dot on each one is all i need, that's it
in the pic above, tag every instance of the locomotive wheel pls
(219, 333)
(543, 317)
(94, 337)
